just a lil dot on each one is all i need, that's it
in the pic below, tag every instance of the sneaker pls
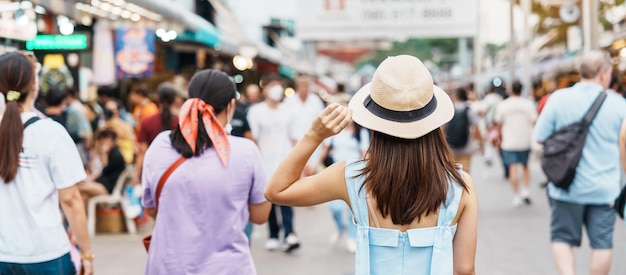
(272, 244)
(351, 245)
(517, 201)
(291, 243)
(526, 196)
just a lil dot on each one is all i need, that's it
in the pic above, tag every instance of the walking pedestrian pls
(39, 169)
(271, 123)
(597, 180)
(413, 208)
(125, 134)
(463, 129)
(209, 198)
(515, 117)
(171, 98)
(241, 128)
(304, 106)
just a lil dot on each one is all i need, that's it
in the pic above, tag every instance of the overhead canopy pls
(204, 31)
(199, 29)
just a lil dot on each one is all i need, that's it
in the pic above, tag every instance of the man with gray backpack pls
(588, 198)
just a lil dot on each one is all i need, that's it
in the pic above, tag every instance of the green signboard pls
(57, 42)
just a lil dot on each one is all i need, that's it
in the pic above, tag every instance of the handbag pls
(162, 180)
(563, 149)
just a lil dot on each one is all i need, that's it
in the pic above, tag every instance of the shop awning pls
(197, 28)
(200, 30)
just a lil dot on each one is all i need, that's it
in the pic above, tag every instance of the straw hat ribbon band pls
(400, 116)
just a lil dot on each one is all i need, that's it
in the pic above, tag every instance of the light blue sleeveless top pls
(390, 251)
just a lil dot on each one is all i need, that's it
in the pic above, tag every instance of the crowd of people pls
(511, 126)
(392, 161)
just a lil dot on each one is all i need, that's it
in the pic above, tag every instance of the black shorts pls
(567, 220)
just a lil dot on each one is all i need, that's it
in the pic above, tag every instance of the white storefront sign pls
(385, 19)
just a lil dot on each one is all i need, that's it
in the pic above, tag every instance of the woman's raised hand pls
(330, 121)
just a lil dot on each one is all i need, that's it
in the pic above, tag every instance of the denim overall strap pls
(442, 260)
(359, 209)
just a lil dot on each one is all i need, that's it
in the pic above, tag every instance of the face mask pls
(275, 93)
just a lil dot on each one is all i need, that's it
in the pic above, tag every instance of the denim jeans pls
(286, 212)
(248, 230)
(338, 208)
(59, 266)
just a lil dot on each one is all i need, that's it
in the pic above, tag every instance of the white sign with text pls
(385, 19)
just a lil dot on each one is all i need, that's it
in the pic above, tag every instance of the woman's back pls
(423, 249)
(48, 162)
(203, 208)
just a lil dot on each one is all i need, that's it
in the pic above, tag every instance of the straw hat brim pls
(406, 130)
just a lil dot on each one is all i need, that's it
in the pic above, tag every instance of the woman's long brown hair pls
(409, 178)
(17, 73)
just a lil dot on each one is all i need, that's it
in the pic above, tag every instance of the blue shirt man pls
(598, 175)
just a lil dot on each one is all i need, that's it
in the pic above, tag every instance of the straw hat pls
(401, 100)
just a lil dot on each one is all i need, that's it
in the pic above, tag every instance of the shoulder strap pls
(164, 178)
(31, 121)
(356, 194)
(593, 111)
(449, 209)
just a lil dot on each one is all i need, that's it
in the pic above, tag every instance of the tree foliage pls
(549, 17)
(441, 52)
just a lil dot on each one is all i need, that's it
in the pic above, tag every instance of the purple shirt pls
(203, 208)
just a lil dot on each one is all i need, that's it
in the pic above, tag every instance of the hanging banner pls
(332, 20)
(134, 52)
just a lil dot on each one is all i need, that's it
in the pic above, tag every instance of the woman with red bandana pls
(215, 186)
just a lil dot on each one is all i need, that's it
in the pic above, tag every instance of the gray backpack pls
(563, 149)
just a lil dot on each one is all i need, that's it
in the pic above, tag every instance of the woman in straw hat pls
(416, 213)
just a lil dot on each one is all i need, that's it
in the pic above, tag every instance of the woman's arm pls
(287, 188)
(259, 213)
(465, 237)
(74, 210)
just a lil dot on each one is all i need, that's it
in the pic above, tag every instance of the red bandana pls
(188, 123)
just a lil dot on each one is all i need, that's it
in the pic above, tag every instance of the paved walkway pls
(510, 240)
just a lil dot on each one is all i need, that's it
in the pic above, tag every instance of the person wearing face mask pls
(271, 124)
(215, 186)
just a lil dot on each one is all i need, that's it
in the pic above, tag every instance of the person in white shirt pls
(270, 124)
(304, 106)
(39, 169)
(515, 117)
